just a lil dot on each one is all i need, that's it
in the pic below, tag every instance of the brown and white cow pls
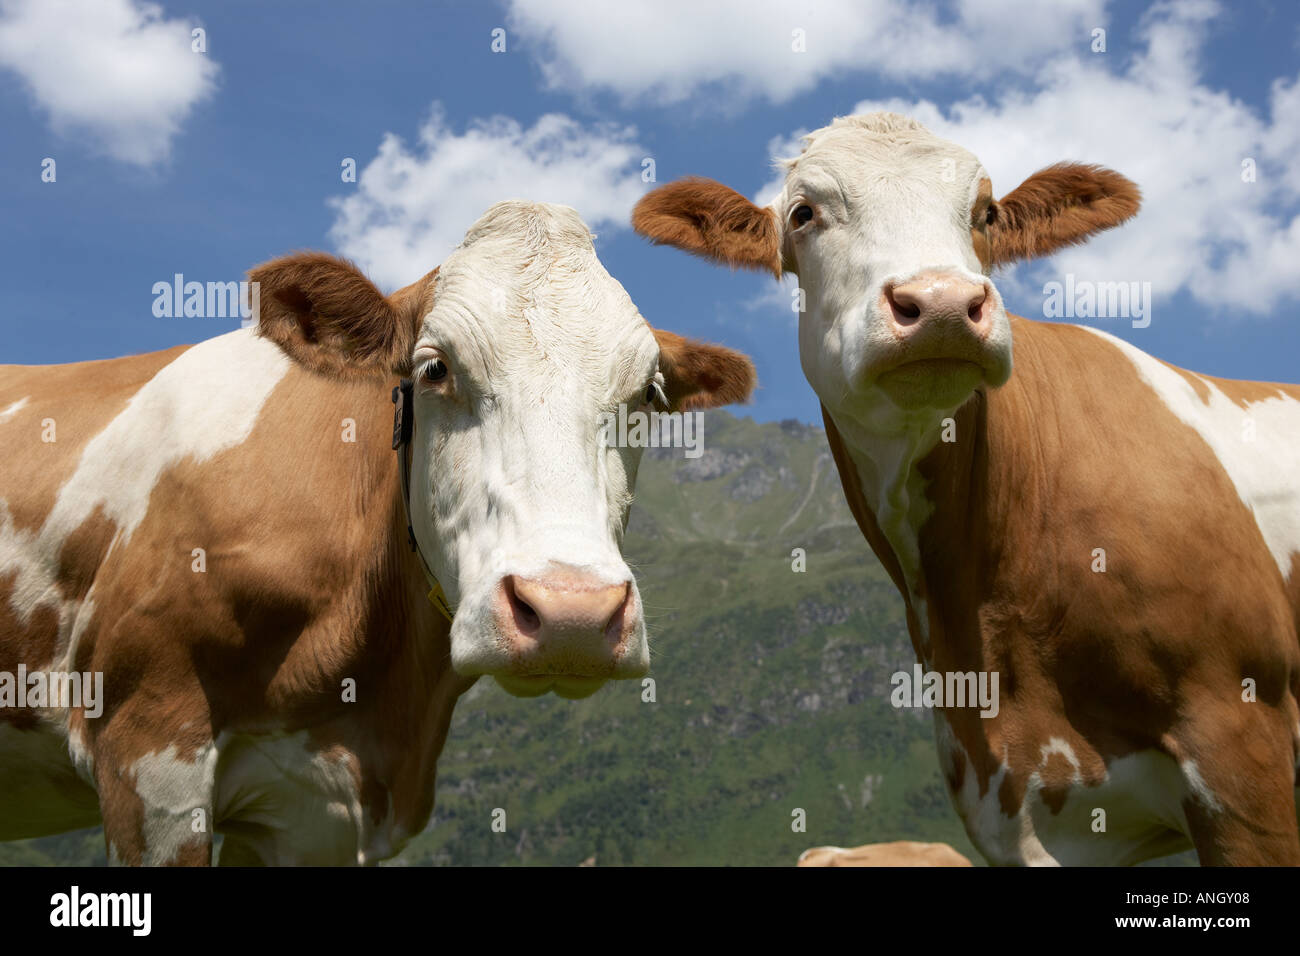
(219, 531)
(1116, 538)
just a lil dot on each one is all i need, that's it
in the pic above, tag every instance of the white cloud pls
(668, 50)
(1234, 246)
(114, 71)
(413, 205)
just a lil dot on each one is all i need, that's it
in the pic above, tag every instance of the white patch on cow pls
(291, 805)
(203, 402)
(1142, 795)
(199, 405)
(1265, 471)
(171, 786)
(895, 492)
(1198, 789)
(12, 410)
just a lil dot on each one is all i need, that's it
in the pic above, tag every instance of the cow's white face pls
(520, 345)
(893, 233)
(518, 503)
(884, 224)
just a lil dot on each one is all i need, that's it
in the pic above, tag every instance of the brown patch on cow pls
(1011, 793)
(33, 642)
(36, 641)
(708, 219)
(700, 375)
(1057, 774)
(1197, 382)
(1244, 394)
(1059, 206)
(330, 318)
(83, 554)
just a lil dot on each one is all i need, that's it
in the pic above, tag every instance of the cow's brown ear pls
(330, 318)
(700, 375)
(710, 220)
(1059, 206)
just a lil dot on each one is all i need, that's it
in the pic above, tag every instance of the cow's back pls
(1249, 430)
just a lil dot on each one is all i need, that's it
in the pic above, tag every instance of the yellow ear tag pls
(438, 598)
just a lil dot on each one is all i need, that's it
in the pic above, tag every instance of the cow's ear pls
(711, 220)
(700, 375)
(330, 318)
(1059, 206)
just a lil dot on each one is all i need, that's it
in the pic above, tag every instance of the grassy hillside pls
(771, 693)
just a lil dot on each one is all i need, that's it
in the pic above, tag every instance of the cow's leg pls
(157, 808)
(1237, 760)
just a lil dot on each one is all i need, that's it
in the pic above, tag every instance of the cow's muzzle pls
(567, 631)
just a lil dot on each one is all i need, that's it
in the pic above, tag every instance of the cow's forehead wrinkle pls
(860, 160)
(508, 309)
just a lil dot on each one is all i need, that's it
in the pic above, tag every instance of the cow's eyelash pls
(657, 383)
(418, 372)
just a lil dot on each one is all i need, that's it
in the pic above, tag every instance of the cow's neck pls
(406, 687)
(925, 500)
(368, 672)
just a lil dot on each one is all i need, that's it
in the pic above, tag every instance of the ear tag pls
(438, 598)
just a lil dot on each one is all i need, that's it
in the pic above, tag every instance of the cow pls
(898, 853)
(219, 534)
(1116, 539)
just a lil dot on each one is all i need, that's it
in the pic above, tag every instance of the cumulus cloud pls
(1232, 245)
(116, 72)
(413, 204)
(668, 51)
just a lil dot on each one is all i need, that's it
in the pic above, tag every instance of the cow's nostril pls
(527, 619)
(976, 310)
(903, 304)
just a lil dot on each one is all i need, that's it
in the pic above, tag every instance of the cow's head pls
(519, 344)
(893, 234)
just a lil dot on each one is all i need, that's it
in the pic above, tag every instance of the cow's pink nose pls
(939, 298)
(566, 614)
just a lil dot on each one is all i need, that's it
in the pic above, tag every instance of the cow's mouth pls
(932, 382)
(570, 686)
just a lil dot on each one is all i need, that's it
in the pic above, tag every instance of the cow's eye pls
(435, 371)
(651, 393)
(991, 215)
(802, 214)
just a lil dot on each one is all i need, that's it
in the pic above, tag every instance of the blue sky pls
(205, 164)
